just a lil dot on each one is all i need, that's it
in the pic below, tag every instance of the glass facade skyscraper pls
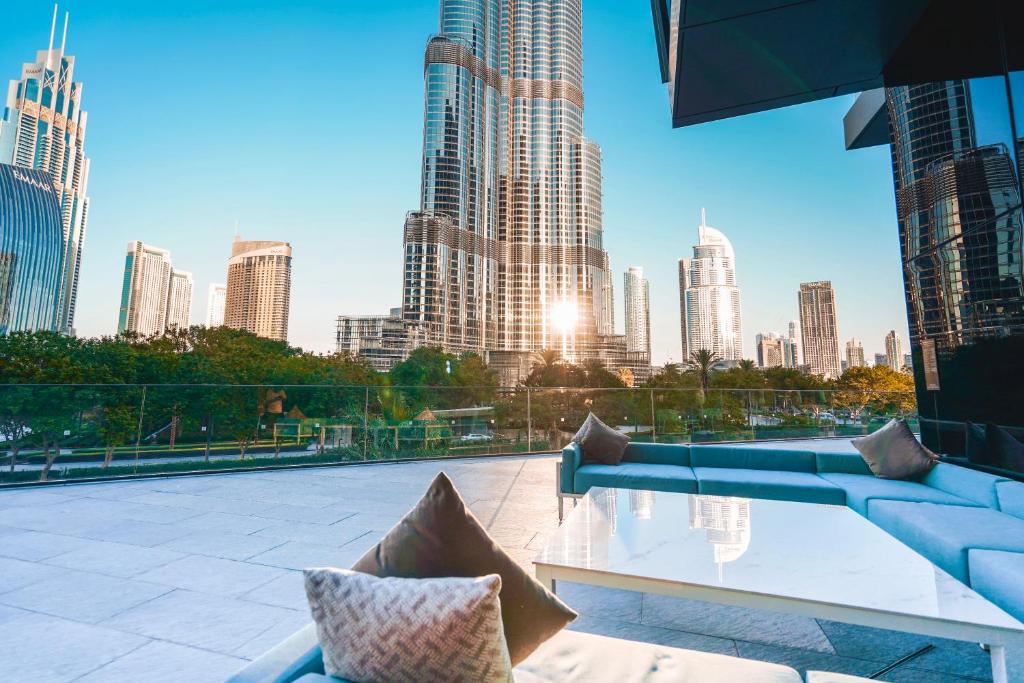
(155, 297)
(709, 298)
(31, 251)
(505, 252)
(637, 293)
(43, 127)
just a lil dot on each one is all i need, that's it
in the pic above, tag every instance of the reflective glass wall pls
(957, 157)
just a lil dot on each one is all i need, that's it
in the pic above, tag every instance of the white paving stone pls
(161, 662)
(212, 575)
(36, 545)
(115, 559)
(222, 544)
(83, 596)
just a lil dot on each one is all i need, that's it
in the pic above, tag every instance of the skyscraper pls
(709, 299)
(215, 299)
(31, 251)
(179, 300)
(43, 128)
(259, 288)
(894, 351)
(855, 354)
(793, 350)
(819, 328)
(505, 252)
(638, 311)
(770, 352)
(154, 296)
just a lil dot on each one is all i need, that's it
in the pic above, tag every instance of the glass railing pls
(75, 432)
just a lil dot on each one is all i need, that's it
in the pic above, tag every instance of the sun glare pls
(564, 315)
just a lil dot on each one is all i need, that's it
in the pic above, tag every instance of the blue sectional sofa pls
(969, 523)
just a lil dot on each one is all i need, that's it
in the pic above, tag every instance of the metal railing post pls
(366, 419)
(654, 419)
(529, 422)
(138, 431)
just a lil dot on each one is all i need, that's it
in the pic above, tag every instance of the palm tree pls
(747, 364)
(547, 358)
(703, 362)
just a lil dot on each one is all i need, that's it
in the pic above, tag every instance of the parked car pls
(476, 438)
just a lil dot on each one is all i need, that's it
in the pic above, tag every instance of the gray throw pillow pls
(373, 629)
(441, 537)
(1005, 448)
(599, 443)
(893, 452)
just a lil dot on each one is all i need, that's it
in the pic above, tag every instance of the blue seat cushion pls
(966, 483)
(847, 463)
(999, 576)
(657, 453)
(862, 488)
(1011, 497)
(755, 483)
(747, 458)
(944, 533)
(635, 475)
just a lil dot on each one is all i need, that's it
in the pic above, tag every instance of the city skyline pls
(213, 207)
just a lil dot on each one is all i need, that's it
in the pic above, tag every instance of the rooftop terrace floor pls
(187, 578)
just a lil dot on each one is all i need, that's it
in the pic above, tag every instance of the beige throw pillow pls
(893, 452)
(389, 629)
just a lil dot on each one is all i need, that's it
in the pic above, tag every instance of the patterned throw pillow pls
(441, 537)
(893, 452)
(599, 443)
(390, 629)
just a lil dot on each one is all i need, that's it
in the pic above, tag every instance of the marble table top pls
(814, 553)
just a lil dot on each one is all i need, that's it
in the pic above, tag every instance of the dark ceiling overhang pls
(736, 57)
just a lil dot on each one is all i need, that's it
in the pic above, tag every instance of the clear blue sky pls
(303, 123)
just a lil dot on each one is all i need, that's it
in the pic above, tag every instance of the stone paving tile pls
(212, 575)
(114, 559)
(949, 656)
(288, 591)
(56, 650)
(601, 603)
(299, 555)
(224, 521)
(735, 622)
(83, 596)
(221, 544)
(337, 534)
(283, 629)
(134, 532)
(653, 634)
(15, 574)
(802, 660)
(36, 545)
(160, 662)
(205, 621)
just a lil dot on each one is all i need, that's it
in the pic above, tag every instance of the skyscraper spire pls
(53, 29)
(64, 37)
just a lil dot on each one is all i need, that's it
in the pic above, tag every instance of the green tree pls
(703, 362)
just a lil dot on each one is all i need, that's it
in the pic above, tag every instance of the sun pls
(564, 315)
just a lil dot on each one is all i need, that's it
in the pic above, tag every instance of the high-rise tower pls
(154, 296)
(819, 328)
(894, 350)
(709, 299)
(43, 127)
(638, 311)
(505, 252)
(259, 288)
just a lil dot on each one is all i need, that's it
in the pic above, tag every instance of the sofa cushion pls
(976, 445)
(571, 656)
(747, 458)
(392, 629)
(752, 483)
(440, 537)
(847, 463)
(636, 475)
(944, 533)
(599, 443)
(1011, 497)
(999, 576)
(860, 489)
(657, 453)
(964, 482)
(893, 452)
(1005, 448)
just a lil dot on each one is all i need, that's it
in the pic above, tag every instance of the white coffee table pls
(819, 561)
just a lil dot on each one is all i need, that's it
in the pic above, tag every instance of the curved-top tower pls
(506, 250)
(709, 298)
